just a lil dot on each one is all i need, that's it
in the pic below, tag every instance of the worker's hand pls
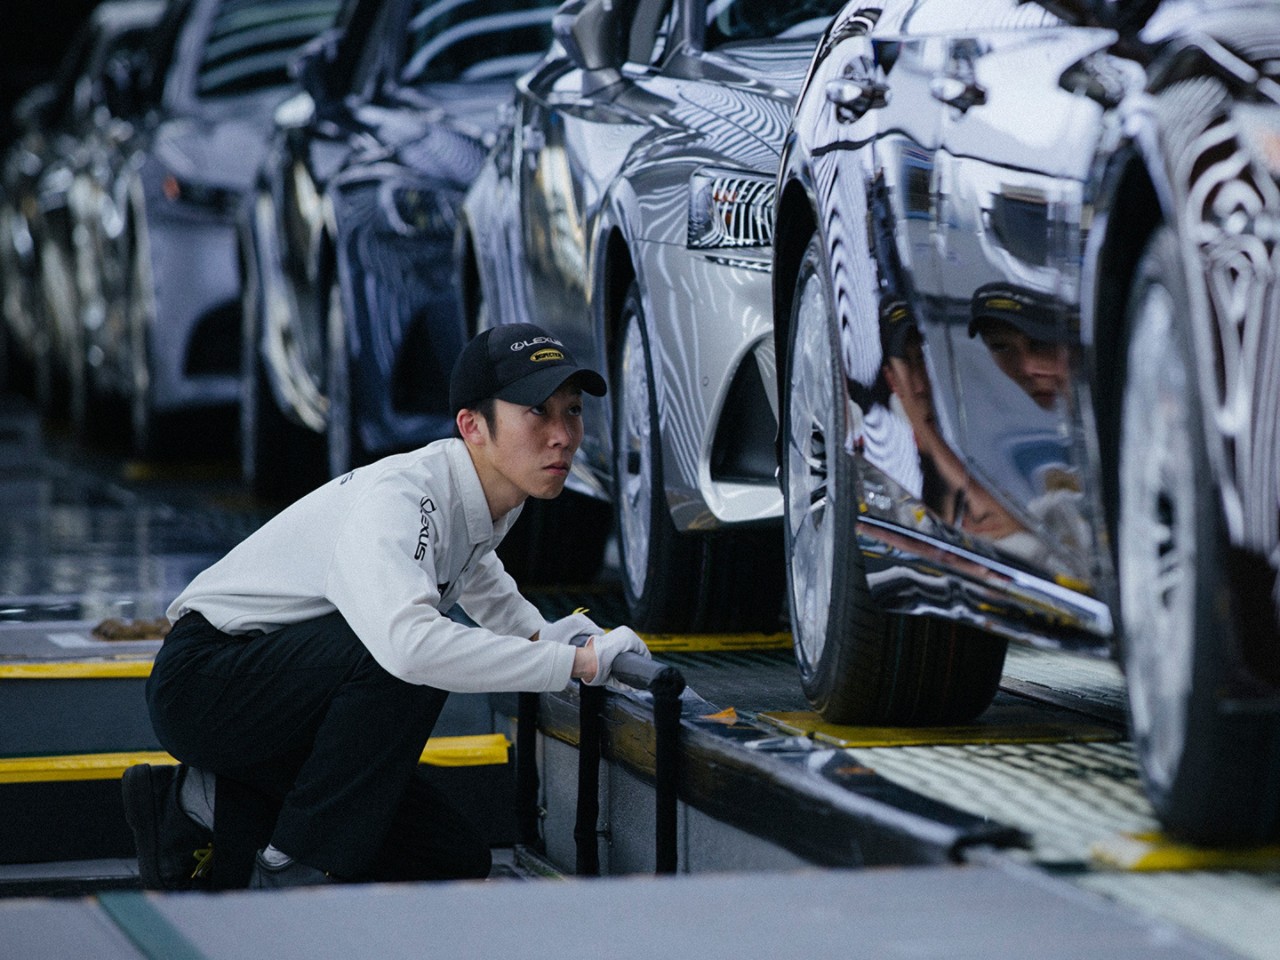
(607, 646)
(566, 628)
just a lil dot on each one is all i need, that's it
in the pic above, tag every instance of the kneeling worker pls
(305, 670)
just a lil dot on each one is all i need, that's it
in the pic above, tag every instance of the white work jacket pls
(392, 546)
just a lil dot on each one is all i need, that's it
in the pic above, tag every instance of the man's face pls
(530, 449)
(1039, 367)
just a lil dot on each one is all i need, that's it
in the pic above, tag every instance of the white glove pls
(607, 646)
(566, 628)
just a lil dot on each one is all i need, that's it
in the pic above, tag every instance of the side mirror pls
(313, 67)
(590, 32)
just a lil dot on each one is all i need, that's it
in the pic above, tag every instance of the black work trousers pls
(316, 750)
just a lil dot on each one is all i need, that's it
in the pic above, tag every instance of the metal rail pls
(666, 684)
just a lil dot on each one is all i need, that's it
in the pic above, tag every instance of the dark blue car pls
(350, 297)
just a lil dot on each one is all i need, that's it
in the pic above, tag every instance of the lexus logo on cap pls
(526, 344)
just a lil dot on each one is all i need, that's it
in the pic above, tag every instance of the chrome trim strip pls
(912, 573)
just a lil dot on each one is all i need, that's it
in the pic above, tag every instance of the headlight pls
(203, 195)
(728, 209)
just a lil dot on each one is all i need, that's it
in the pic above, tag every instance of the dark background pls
(33, 36)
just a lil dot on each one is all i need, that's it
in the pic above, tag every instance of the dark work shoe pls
(173, 850)
(289, 874)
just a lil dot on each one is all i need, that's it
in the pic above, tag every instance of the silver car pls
(1025, 309)
(220, 69)
(628, 211)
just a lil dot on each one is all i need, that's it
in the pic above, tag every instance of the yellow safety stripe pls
(808, 724)
(486, 749)
(715, 642)
(88, 766)
(1153, 851)
(76, 670)
(475, 750)
(140, 667)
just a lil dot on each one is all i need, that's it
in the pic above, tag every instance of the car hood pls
(221, 143)
(474, 102)
(780, 64)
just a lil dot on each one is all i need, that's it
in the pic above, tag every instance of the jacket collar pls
(475, 507)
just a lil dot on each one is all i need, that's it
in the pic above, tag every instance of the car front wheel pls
(722, 581)
(1211, 772)
(857, 664)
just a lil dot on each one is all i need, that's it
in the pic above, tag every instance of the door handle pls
(954, 92)
(854, 97)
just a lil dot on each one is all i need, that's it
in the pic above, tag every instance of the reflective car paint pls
(219, 70)
(1012, 162)
(358, 199)
(47, 273)
(654, 173)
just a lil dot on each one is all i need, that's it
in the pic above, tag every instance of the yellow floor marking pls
(486, 749)
(1012, 724)
(135, 666)
(1153, 851)
(91, 766)
(77, 669)
(476, 750)
(711, 642)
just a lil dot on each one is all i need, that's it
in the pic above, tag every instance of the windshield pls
(732, 20)
(464, 40)
(251, 43)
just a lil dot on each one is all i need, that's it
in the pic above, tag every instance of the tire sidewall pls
(1200, 791)
(847, 588)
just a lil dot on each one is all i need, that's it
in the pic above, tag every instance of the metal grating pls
(1066, 796)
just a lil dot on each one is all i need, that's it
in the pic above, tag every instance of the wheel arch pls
(618, 272)
(468, 273)
(1134, 213)
(794, 222)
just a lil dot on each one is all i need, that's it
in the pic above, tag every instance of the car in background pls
(1025, 318)
(350, 296)
(628, 210)
(218, 70)
(58, 123)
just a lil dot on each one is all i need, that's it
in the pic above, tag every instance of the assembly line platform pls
(967, 913)
(1025, 833)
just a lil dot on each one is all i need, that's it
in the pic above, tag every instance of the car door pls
(1016, 148)
(879, 109)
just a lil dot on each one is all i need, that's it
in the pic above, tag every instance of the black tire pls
(1190, 604)
(279, 459)
(673, 581)
(343, 449)
(557, 542)
(150, 431)
(857, 664)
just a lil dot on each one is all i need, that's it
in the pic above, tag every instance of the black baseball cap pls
(517, 362)
(1033, 313)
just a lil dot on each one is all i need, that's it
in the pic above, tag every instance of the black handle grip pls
(646, 674)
